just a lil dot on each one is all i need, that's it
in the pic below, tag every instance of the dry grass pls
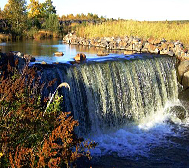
(170, 31)
(5, 37)
(43, 34)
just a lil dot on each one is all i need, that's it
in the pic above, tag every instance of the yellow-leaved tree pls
(34, 9)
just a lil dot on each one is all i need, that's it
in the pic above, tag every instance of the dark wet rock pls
(179, 111)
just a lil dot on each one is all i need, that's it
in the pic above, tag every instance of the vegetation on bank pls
(32, 133)
(39, 20)
(22, 20)
(169, 30)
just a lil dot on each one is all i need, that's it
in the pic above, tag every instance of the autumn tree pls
(1, 14)
(35, 13)
(34, 9)
(15, 13)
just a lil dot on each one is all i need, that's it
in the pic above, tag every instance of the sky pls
(152, 10)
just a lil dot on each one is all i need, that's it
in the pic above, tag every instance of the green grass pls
(169, 30)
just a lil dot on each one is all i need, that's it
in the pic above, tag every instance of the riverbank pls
(134, 44)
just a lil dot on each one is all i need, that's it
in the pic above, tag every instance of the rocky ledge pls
(134, 44)
(150, 45)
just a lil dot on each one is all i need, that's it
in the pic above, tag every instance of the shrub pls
(30, 137)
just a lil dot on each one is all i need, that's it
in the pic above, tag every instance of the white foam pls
(138, 139)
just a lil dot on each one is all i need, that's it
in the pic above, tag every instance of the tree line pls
(24, 19)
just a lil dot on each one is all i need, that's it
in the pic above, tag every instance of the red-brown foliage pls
(28, 137)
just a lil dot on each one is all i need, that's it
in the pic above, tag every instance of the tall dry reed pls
(170, 31)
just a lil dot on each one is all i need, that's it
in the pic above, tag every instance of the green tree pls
(48, 8)
(15, 13)
(35, 13)
(52, 23)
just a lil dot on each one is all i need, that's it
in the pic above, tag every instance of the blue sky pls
(126, 9)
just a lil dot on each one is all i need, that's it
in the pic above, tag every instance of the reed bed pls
(171, 31)
(5, 37)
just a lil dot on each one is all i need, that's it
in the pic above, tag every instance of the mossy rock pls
(179, 111)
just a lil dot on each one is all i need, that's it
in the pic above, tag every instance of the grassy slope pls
(172, 31)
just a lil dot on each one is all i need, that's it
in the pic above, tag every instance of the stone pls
(129, 52)
(151, 48)
(19, 54)
(182, 68)
(171, 45)
(58, 53)
(157, 41)
(80, 57)
(129, 47)
(185, 80)
(135, 40)
(185, 50)
(151, 40)
(164, 45)
(43, 63)
(179, 111)
(102, 53)
(55, 63)
(170, 53)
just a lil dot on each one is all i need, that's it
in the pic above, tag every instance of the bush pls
(31, 135)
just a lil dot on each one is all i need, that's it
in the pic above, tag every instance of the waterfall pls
(109, 94)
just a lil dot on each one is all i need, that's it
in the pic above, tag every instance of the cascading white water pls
(110, 94)
(130, 107)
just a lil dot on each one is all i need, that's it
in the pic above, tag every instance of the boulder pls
(179, 111)
(151, 48)
(151, 40)
(170, 53)
(182, 68)
(171, 45)
(185, 80)
(157, 41)
(164, 46)
(43, 63)
(58, 53)
(102, 53)
(80, 57)
(19, 54)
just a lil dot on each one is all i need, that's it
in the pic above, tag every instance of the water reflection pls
(34, 47)
(44, 50)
